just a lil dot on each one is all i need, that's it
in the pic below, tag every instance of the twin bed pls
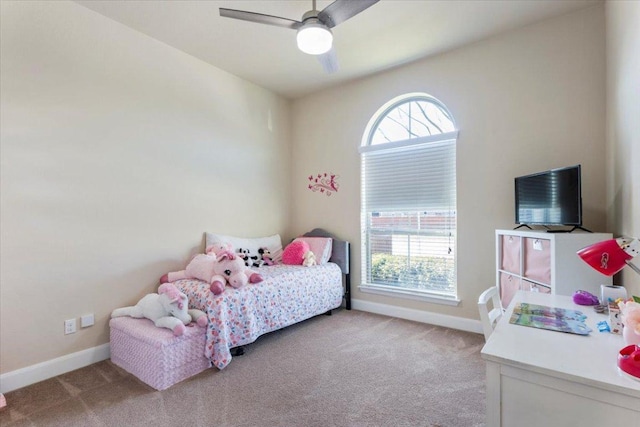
(289, 294)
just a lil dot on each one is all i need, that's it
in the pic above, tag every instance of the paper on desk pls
(551, 318)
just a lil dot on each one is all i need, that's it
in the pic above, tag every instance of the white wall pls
(525, 101)
(623, 125)
(117, 153)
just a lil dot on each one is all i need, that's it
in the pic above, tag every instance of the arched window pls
(408, 206)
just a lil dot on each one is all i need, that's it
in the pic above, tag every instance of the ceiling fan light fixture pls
(314, 37)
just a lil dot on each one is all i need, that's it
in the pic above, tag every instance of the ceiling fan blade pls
(341, 10)
(329, 61)
(260, 18)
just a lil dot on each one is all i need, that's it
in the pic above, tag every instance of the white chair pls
(489, 317)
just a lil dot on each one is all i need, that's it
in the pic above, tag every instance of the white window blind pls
(420, 176)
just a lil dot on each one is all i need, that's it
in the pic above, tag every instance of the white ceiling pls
(389, 33)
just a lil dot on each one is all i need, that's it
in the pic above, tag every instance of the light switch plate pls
(87, 320)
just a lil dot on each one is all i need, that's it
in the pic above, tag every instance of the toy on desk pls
(614, 318)
(612, 292)
(629, 361)
(630, 318)
(585, 298)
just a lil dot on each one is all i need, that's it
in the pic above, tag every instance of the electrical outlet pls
(69, 326)
(87, 320)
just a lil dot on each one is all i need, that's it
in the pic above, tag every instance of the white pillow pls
(320, 246)
(273, 243)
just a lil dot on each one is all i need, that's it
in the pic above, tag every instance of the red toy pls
(629, 361)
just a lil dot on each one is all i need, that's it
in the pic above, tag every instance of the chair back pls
(489, 317)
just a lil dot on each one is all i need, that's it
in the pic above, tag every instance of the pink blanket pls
(288, 294)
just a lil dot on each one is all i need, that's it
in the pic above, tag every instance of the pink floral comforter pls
(288, 294)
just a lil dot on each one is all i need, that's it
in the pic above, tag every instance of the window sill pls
(410, 294)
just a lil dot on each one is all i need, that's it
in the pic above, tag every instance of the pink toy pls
(231, 268)
(219, 249)
(294, 253)
(217, 267)
(266, 256)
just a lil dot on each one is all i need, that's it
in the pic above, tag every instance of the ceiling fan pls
(314, 29)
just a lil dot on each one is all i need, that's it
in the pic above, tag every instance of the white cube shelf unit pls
(538, 261)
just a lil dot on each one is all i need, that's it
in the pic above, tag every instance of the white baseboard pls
(460, 323)
(42, 371)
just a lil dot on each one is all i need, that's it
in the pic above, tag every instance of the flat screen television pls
(551, 197)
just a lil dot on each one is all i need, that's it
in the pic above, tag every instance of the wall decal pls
(324, 183)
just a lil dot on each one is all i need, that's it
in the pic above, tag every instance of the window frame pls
(367, 146)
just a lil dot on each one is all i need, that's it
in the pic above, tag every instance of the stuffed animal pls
(265, 253)
(244, 254)
(218, 249)
(250, 259)
(309, 259)
(201, 267)
(294, 253)
(231, 269)
(167, 309)
(217, 267)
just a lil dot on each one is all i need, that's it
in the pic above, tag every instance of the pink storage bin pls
(510, 254)
(155, 355)
(537, 259)
(509, 285)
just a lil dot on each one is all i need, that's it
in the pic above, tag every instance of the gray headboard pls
(339, 250)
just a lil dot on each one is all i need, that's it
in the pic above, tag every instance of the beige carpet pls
(349, 369)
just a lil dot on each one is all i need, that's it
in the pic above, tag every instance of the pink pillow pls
(320, 246)
(294, 252)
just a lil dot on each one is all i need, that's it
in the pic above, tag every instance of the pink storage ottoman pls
(155, 355)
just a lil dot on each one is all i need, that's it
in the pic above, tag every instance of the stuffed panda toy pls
(250, 259)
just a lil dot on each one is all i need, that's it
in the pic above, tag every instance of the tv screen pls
(549, 198)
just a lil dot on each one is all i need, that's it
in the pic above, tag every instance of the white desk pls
(537, 377)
